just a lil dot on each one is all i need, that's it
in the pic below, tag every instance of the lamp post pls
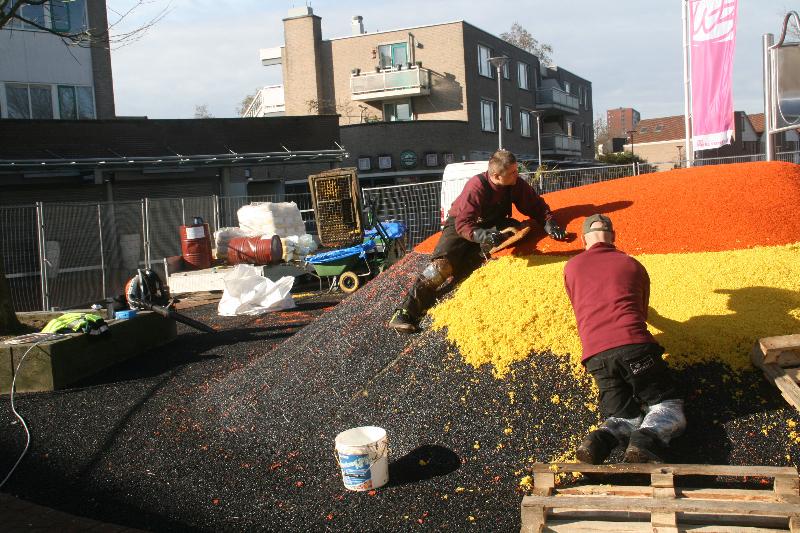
(538, 115)
(630, 133)
(498, 63)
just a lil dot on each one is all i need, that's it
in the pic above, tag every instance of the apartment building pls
(41, 77)
(412, 100)
(621, 120)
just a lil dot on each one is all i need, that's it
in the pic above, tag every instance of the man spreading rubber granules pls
(610, 294)
(475, 224)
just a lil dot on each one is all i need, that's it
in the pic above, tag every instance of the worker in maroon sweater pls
(610, 293)
(479, 220)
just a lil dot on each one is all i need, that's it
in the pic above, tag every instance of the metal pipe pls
(499, 109)
(769, 97)
(42, 255)
(102, 258)
(687, 86)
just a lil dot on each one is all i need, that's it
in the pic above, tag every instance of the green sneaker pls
(402, 321)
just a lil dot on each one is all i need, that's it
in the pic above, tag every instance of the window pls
(567, 87)
(484, 67)
(659, 127)
(507, 70)
(392, 55)
(525, 123)
(522, 75)
(364, 163)
(60, 15)
(432, 159)
(570, 128)
(509, 125)
(28, 101)
(75, 102)
(448, 157)
(488, 112)
(397, 111)
(384, 162)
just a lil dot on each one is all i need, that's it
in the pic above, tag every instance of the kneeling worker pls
(475, 223)
(610, 293)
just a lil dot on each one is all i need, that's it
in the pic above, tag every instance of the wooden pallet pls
(661, 506)
(779, 359)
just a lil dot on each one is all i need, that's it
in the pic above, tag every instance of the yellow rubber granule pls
(703, 307)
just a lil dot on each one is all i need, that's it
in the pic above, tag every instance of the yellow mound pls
(707, 306)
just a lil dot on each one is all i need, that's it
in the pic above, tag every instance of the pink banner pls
(712, 39)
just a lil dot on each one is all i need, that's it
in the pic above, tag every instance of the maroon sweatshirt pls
(610, 293)
(482, 204)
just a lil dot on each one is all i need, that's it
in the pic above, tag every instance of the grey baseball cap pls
(606, 223)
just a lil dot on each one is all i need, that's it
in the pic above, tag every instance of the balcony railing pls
(557, 99)
(414, 81)
(557, 143)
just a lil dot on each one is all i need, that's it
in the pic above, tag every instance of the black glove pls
(554, 230)
(489, 238)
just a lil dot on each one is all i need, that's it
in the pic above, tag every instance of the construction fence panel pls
(121, 227)
(306, 206)
(72, 254)
(557, 180)
(417, 205)
(19, 246)
(164, 218)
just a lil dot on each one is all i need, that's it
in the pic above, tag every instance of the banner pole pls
(687, 86)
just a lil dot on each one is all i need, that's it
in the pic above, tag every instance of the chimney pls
(303, 11)
(358, 25)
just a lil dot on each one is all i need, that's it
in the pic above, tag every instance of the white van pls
(455, 177)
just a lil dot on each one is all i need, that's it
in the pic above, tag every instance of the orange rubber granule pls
(703, 209)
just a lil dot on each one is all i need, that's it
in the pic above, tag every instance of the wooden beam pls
(782, 351)
(662, 505)
(675, 469)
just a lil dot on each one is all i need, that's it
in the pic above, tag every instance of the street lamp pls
(498, 63)
(538, 115)
(630, 133)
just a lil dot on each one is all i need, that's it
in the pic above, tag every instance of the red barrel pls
(255, 250)
(196, 246)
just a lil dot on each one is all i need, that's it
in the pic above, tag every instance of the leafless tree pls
(331, 107)
(201, 111)
(522, 38)
(29, 13)
(244, 105)
(601, 135)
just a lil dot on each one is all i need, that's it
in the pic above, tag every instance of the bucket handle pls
(377, 449)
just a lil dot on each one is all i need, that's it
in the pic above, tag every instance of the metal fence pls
(62, 255)
(65, 255)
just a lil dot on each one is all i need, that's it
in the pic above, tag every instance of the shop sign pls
(408, 159)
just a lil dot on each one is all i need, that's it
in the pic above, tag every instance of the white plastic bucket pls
(363, 456)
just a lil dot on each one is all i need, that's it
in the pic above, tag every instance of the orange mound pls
(703, 209)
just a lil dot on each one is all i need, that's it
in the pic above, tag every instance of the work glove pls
(489, 238)
(554, 230)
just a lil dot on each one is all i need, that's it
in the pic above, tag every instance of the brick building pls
(43, 78)
(621, 120)
(412, 100)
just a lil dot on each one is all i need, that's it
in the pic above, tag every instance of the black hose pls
(167, 312)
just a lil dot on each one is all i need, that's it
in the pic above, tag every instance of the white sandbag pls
(223, 236)
(296, 247)
(271, 218)
(248, 293)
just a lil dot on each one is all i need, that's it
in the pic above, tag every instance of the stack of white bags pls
(267, 218)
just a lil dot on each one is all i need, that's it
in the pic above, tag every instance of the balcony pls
(556, 100)
(559, 144)
(414, 81)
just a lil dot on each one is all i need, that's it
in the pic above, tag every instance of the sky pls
(207, 52)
